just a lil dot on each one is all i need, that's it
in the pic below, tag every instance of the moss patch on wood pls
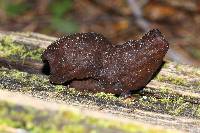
(15, 51)
(172, 79)
(160, 101)
(34, 121)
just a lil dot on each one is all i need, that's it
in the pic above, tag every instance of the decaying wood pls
(29, 38)
(171, 100)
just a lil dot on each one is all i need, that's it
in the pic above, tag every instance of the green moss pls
(173, 79)
(162, 100)
(129, 128)
(164, 89)
(74, 128)
(14, 51)
(16, 80)
(189, 70)
(72, 91)
(145, 102)
(108, 96)
(180, 109)
(33, 54)
(196, 71)
(160, 78)
(59, 88)
(72, 116)
(178, 67)
(178, 106)
(36, 121)
(198, 111)
(167, 102)
(177, 80)
(166, 65)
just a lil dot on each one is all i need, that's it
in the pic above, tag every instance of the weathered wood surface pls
(171, 100)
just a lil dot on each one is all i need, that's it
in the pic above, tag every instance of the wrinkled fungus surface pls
(88, 61)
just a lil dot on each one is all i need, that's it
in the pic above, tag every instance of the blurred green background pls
(46, 16)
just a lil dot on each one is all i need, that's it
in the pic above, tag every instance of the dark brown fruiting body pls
(88, 61)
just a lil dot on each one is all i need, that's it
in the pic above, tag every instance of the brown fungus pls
(88, 61)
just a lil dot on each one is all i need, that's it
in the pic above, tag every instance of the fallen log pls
(171, 100)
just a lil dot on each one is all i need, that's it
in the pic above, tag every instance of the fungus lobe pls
(88, 61)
